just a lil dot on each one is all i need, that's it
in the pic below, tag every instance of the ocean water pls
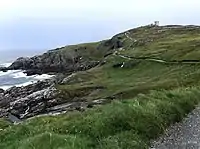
(18, 78)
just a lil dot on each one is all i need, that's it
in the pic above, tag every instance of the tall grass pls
(128, 124)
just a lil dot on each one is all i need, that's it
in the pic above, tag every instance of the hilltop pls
(117, 93)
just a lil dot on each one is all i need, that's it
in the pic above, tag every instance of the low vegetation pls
(146, 96)
(122, 124)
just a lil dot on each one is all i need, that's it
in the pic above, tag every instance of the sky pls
(40, 25)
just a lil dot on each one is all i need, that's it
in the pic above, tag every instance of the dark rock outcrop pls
(42, 98)
(1, 91)
(23, 102)
(32, 104)
(31, 72)
(4, 69)
(22, 63)
(54, 61)
(113, 43)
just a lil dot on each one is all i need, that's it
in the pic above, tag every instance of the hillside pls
(118, 93)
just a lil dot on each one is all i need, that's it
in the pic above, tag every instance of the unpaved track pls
(157, 60)
(183, 135)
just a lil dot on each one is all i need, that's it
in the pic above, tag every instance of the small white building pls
(156, 23)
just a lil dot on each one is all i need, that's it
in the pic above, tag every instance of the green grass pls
(121, 124)
(128, 82)
(4, 124)
(167, 44)
(176, 44)
(148, 96)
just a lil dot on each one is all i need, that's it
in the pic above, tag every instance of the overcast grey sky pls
(46, 24)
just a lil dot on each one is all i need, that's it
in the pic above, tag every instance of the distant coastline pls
(18, 78)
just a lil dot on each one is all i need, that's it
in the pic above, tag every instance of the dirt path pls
(157, 60)
(183, 135)
(126, 34)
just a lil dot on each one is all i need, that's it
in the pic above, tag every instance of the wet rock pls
(12, 118)
(50, 93)
(31, 72)
(4, 101)
(4, 69)
(42, 98)
(28, 100)
(1, 91)
(3, 112)
(33, 103)
(21, 63)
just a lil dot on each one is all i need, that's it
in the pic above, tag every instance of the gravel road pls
(183, 135)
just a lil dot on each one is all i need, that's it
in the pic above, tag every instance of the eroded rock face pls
(114, 43)
(41, 98)
(33, 104)
(1, 91)
(53, 61)
(4, 69)
(27, 101)
(21, 63)
(16, 92)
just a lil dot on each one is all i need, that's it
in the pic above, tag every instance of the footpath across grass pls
(127, 124)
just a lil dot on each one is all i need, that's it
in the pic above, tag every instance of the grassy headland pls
(145, 96)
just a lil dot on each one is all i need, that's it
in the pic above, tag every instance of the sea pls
(17, 77)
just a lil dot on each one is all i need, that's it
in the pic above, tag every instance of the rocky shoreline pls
(41, 98)
(27, 101)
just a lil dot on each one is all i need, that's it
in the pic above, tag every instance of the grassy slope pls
(86, 50)
(125, 124)
(167, 44)
(139, 114)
